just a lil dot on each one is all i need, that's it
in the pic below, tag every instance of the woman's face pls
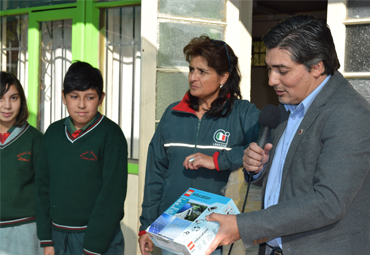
(10, 105)
(204, 82)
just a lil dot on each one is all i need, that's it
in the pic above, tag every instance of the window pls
(14, 52)
(56, 57)
(122, 71)
(258, 53)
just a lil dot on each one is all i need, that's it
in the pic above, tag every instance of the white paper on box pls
(183, 229)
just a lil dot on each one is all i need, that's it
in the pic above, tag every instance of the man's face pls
(291, 81)
(82, 106)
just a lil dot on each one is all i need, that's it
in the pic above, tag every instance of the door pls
(50, 56)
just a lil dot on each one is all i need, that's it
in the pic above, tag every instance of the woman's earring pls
(221, 86)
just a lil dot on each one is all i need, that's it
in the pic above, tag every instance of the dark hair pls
(308, 39)
(222, 59)
(7, 80)
(82, 76)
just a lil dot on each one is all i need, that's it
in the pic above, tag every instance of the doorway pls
(265, 15)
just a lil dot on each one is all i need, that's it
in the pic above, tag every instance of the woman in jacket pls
(200, 139)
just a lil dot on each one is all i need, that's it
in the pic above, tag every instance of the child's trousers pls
(72, 243)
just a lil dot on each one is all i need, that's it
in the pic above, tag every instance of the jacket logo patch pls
(24, 156)
(88, 155)
(221, 138)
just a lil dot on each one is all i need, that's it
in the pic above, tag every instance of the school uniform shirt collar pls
(71, 127)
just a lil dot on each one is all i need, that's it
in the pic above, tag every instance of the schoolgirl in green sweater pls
(81, 176)
(20, 144)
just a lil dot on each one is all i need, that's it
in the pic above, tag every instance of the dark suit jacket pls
(324, 203)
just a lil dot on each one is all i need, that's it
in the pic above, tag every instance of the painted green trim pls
(33, 69)
(78, 29)
(133, 168)
(91, 49)
(117, 3)
(54, 15)
(35, 9)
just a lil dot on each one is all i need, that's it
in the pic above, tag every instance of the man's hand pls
(255, 157)
(49, 250)
(145, 244)
(228, 232)
(194, 161)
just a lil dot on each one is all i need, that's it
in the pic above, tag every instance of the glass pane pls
(173, 37)
(18, 4)
(215, 9)
(357, 48)
(171, 87)
(362, 86)
(358, 9)
(14, 50)
(56, 57)
(122, 72)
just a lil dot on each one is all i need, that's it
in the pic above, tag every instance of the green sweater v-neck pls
(81, 182)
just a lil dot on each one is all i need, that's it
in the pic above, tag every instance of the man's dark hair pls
(308, 39)
(82, 76)
(7, 80)
(222, 58)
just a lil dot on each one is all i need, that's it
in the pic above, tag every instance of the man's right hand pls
(145, 244)
(255, 157)
(49, 250)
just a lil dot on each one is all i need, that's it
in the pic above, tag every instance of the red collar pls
(184, 106)
(3, 137)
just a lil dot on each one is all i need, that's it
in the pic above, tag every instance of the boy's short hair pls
(7, 80)
(82, 76)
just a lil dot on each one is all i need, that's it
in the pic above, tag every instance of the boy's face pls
(82, 106)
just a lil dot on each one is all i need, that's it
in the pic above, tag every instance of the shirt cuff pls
(215, 160)
(46, 243)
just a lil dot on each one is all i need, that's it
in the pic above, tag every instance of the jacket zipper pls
(195, 150)
(197, 135)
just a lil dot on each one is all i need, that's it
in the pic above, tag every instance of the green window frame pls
(85, 40)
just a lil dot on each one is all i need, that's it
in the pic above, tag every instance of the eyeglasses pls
(219, 43)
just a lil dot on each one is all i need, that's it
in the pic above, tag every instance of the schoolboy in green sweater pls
(81, 176)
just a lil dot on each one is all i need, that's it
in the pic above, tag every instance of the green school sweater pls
(17, 173)
(81, 183)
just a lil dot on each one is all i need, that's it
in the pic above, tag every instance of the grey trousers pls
(20, 240)
(72, 243)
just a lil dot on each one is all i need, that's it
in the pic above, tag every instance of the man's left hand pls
(228, 232)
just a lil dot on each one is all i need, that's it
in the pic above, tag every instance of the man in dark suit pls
(315, 172)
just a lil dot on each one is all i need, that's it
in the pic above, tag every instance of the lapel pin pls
(300, 132)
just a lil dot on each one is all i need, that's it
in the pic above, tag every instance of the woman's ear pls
(224, 77)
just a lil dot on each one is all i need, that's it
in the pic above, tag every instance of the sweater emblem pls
(24, 156)
(221, 138)
(88, 155)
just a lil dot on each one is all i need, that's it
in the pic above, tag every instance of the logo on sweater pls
(24, 156)
(88, 155)
(221, 138)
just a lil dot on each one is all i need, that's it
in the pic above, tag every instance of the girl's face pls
(10, 105)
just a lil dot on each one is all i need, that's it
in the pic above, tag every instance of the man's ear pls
(64, 98)
(102, 98)
(318, 69)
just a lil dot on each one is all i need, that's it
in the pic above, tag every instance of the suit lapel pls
(308, 120)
